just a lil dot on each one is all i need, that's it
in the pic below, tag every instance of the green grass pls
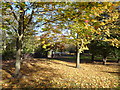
(89, 57)
(82, 57)
(85, 57)
(98, 57)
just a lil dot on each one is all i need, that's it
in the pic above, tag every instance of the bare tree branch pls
(13, 13)
(31, 15)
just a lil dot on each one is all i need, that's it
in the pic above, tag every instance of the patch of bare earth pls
(44, 73)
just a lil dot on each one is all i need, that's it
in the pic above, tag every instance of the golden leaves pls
(43, 42)
(42, 73)
(114, 42)
(102, 23)
(20, 11)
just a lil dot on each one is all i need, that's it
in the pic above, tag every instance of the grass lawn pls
(84, 57)
(52, 73)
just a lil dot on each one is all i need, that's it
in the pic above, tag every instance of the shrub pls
(40, 52)
(8, 54)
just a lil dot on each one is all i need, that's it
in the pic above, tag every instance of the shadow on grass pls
(72, 59)
(63, 64)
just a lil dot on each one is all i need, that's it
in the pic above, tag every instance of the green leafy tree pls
(88, 27)
(116, 53)
(100, 48)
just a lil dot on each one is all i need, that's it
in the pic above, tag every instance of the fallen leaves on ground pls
(45, 73)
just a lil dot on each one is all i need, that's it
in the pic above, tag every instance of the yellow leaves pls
(60, 9)
(93, 20)
(86, 27)
(46, 9)
(107, 32)
(96, 14)
(23, 4)
(114, 42)
(20, 11)
(102, 23)
(85, 48)
(46, 45)
(43, 42)
(105, 7)
(109, 4)
(39, 18)
(56, 31)
(99, 5)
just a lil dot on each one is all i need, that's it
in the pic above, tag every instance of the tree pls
(81, 28)
(71, 21)
(52, 41)
(19, 17)
(82, 21)
(116, 53)
(98, 47)
(29, 46)
(88, 27)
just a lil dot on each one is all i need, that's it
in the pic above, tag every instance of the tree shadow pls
(43, 74)
(63, 64)
(72, 59)
(115, 73)
(65, 59)
(8, 66)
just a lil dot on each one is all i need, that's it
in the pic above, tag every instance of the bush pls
(8, 55)
(116, 52)
(40, 52)
(100, 48)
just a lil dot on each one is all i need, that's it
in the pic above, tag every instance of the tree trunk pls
(78, 58)
(19, 42)
(78, 54)
(104, 60)
(92, 58)
(50, 54)
(118, 61)
(18, 57)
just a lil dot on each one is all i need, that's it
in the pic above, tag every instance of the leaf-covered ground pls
(45, 73)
